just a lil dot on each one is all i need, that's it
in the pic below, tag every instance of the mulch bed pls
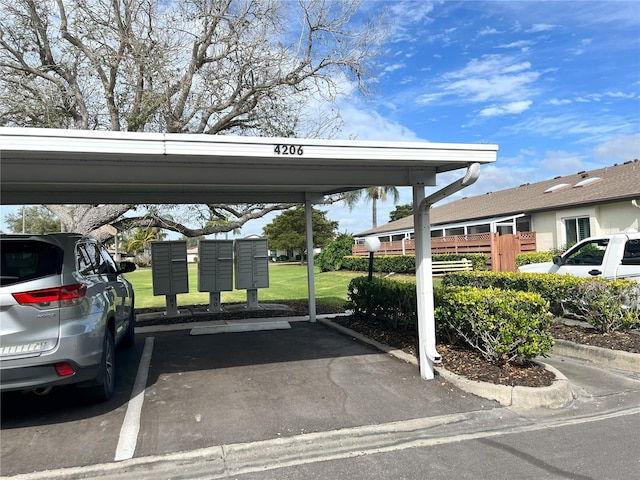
(625, 341)
(461, 361)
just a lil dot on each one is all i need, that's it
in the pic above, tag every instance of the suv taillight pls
(55, 297)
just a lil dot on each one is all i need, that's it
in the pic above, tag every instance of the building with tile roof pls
(562, 210)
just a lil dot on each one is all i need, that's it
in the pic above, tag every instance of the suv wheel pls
(129, 338)
(106, 376)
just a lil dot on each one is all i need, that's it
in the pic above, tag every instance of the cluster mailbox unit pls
(215, 270)
(169, 271)
(217, 260)
(252, 267)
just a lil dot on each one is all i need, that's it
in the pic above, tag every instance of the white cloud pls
(508, 109)
(558, 102)
(561, 162)
(576, 125)
(621, 148)
(493, 87)
(408, 12)
(394, 67)
(405, 16)
(541, 27)
(488, 31)
(519, 44)
(619, 95)
(364, 124)
(492, 78)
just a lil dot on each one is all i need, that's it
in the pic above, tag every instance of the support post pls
(308, 209)
(172, 305)
(424, 287)
(252, 298)
(214, 302)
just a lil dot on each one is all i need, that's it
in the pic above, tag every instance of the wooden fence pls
(501, 250)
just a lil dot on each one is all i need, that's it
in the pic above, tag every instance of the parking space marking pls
(131, 425)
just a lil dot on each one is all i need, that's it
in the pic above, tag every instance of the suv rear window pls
(23, 260)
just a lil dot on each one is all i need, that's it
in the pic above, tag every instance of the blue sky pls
(555, 84)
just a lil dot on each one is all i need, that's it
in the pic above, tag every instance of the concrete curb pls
(598, 355)
(557, 395)
(239, 327)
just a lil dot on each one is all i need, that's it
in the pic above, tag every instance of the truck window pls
(631, 253)
(590, 253)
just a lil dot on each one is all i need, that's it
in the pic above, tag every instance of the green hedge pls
(504, 326)
(604, 304)
(533, 257)
(383, 298)
(407, 263)
(553, 288)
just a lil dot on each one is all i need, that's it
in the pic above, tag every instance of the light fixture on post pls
(372, 244)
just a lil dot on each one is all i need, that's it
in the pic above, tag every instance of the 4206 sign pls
(284, 149)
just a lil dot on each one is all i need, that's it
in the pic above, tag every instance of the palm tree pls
(374, 194)
(142, 237)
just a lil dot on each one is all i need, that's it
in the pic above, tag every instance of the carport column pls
(308, 208)
(424, 286)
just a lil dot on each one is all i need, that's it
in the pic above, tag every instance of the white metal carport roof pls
(41, 166)
(74, 166)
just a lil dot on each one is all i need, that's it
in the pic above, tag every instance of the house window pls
(577, 229)
(523, 224)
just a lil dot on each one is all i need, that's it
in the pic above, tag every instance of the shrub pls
(386, 299)
(556, 289)
(607, 305)
(332, 256)
(533, 257)
(504, 326)
(407, 263)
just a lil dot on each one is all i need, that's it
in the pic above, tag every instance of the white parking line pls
(131, 425)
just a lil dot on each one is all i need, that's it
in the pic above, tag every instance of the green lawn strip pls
(286, 282)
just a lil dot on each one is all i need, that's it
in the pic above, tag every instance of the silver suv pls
(64, 307)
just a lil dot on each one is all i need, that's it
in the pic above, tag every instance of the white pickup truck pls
(612, 257)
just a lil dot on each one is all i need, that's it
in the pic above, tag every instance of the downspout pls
(424, 279)
(473, 172)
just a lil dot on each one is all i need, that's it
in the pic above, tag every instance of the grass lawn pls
(287, 281)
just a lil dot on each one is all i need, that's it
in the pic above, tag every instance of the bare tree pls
(247, 67)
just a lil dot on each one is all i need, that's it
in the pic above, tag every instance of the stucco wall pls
(544, 224)
(618, 217)
(604, 219)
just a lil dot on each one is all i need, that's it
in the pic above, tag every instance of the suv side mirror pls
(557, 260)
(126, 267)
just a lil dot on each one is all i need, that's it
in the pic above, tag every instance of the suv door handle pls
(595, 272)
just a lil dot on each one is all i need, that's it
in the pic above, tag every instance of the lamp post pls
(372, 244)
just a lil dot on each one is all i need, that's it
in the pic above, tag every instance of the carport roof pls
(81, 166)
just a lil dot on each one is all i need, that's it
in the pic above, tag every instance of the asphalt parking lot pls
(230, 388)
